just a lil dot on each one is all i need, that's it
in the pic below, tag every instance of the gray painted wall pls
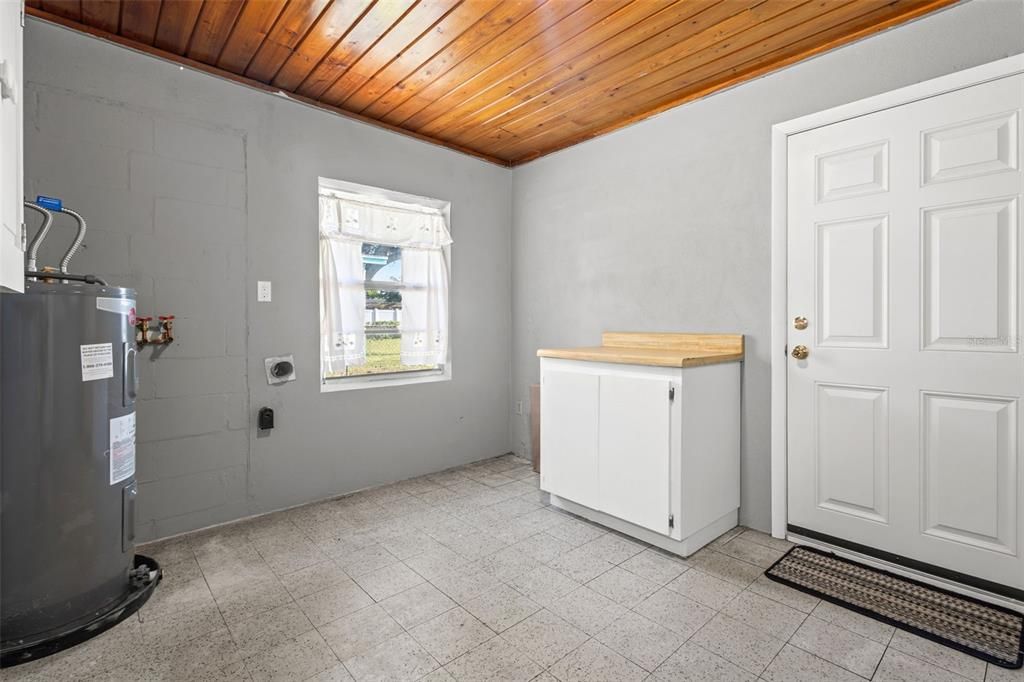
(195, 188)
(664, 226)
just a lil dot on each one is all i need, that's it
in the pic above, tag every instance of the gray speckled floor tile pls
(995, 673)
(439, 675)
(543, 547)
(388, 581)
(544, 637)
(724, 567)
(576, 532)
(691, 663)
(336, 674)
(751, 552)
(507, 564)
(313, 578)
(544, 585)
(705, 589)
(245, 601)
(581, 564)
(594, 662)
(838, 645)
(366, 560)
(501, 607)
(766, 615)
(854, 622)
(747, 647)
(623, 587)
(417, 605)
(675, 612)
(588, 610)
(451, 634)
(615, 548)
(334, 602)
(496, 661)
(942, 656)
(267, 629)
(357, 632)
(463, 586)
(796, 665)
(640, 640)
(296, 659)
(398, 659)
(182, 626)
(899, 667)
(655, 565)
(760, 538)
(801, 601)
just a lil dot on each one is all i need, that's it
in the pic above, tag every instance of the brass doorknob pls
(800, 322)
(800, 352)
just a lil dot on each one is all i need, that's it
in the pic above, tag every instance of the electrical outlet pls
(263, 291)
(519, 407)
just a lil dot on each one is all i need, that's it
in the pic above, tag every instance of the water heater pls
(68, 568)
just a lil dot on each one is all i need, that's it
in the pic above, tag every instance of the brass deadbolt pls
(800, 352)
(800, 323)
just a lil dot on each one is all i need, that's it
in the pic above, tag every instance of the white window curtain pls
(342, 301)
(422, 233)
(424, 307)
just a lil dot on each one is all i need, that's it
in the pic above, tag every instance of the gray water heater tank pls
(68, 568)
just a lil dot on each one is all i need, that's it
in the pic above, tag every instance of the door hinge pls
(671, 393)
(671, 521)
(24, 237)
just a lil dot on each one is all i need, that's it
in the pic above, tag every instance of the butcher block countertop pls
(657, 349)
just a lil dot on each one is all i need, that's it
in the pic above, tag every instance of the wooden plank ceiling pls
(506, 80)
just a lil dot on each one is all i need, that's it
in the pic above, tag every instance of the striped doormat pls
(988, 632)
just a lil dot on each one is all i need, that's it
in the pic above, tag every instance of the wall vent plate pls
(280, 369)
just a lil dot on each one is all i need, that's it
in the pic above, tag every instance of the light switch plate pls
(263, 291)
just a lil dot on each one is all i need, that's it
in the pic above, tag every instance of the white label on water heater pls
(122, 448)
(97, 361)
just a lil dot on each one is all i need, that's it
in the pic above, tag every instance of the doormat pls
(988, 632)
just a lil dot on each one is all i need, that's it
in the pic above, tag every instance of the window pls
(384, 276)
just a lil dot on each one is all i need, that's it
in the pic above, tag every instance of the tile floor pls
(468, 575)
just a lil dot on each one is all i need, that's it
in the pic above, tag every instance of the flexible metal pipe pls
(79, 238)
(37, 241)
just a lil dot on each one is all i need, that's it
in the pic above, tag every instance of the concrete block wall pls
(196, 188)
(164, 197)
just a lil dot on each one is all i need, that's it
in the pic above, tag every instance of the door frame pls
(1001, 68)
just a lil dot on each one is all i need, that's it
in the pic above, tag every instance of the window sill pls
(370, 381)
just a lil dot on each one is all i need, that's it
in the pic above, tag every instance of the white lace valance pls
(394, 225)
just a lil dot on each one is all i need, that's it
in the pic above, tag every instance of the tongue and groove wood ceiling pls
(505, 80)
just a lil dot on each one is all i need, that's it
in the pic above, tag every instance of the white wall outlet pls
(263, 291)
(519, 407)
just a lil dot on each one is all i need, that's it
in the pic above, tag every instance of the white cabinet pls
(650, 451)
(12, 247)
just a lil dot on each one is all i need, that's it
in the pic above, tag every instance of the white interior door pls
(904, 257)
(634, 448)
(569, 415)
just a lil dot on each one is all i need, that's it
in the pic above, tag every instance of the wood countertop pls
(656, 349)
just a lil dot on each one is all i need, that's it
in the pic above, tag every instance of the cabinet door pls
(634, 450)
(568, 436)
(12, 263)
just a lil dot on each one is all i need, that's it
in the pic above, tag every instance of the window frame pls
(372, 194)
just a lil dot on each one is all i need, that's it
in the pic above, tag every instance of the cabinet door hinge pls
(24, 237)
(671, 521)
(671, 392)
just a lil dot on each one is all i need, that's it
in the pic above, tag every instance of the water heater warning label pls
(122, 448)
(97, 361)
